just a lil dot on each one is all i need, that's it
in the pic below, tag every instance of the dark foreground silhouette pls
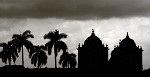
(125, 61)
(37, 53)
(19, 70)
(65, 72)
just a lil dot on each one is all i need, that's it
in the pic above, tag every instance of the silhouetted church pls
(93, 55)
(126, 57)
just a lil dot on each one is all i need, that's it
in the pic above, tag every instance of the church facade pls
(126, 57)
(93, 55)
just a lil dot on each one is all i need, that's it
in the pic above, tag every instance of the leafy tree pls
(55, 40)
(9, 52)
(68, 60)
(21, 40)
(38, 56)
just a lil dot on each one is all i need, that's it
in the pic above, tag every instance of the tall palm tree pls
(68, 60)
(38, 56)
(9, 52)
(55, 40)
(21, 40)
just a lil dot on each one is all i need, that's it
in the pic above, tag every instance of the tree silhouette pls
(68, 60)
(9, 52)
(21, 40)
(38, 56)
(55, 40)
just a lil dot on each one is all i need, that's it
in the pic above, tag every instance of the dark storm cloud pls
(73, 8)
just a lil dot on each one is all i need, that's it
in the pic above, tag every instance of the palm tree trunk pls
(9, 62)
(55, 62)
(68, 65)
(55, 51)
(22, 56)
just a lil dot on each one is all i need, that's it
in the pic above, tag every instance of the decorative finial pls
(106, 45)
(92, 30)
(79, 45)
(127, 35)
(93, 34)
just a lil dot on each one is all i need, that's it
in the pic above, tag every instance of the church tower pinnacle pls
(127, 35)
(93, 34)
(92, 30)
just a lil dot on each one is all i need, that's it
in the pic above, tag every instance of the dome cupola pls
(92, 40)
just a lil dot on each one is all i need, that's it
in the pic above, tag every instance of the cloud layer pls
(74, 8)
(110, 19)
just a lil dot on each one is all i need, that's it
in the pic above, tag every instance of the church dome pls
(92, 40)
(127, 42)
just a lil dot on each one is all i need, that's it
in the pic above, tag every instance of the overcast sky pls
(73, 8)
(111, 20)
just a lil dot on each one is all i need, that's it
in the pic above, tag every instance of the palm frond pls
(42, 58)
(19, 48)
(50, 35)
(3, 44)
(61, 46)
(26, 33)
(72, 60)
(43, 47)
(39, 58)
(13, 51)
(62, 35)
(16, 36)
(63, 57)
(67, 59)
(49, 46)
(9, 52)
(28, 45)
(16, 54)
(32, 51)
(17, 44)
(3, 56)
(72, 55)
(34, 59)
(13, 57)
(56, 32)
(29, 36)
(65, 62)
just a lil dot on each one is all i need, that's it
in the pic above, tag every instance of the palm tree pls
(21, 40)
(68, 60)
(9, 52)
(38, 56)
(55, 40)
